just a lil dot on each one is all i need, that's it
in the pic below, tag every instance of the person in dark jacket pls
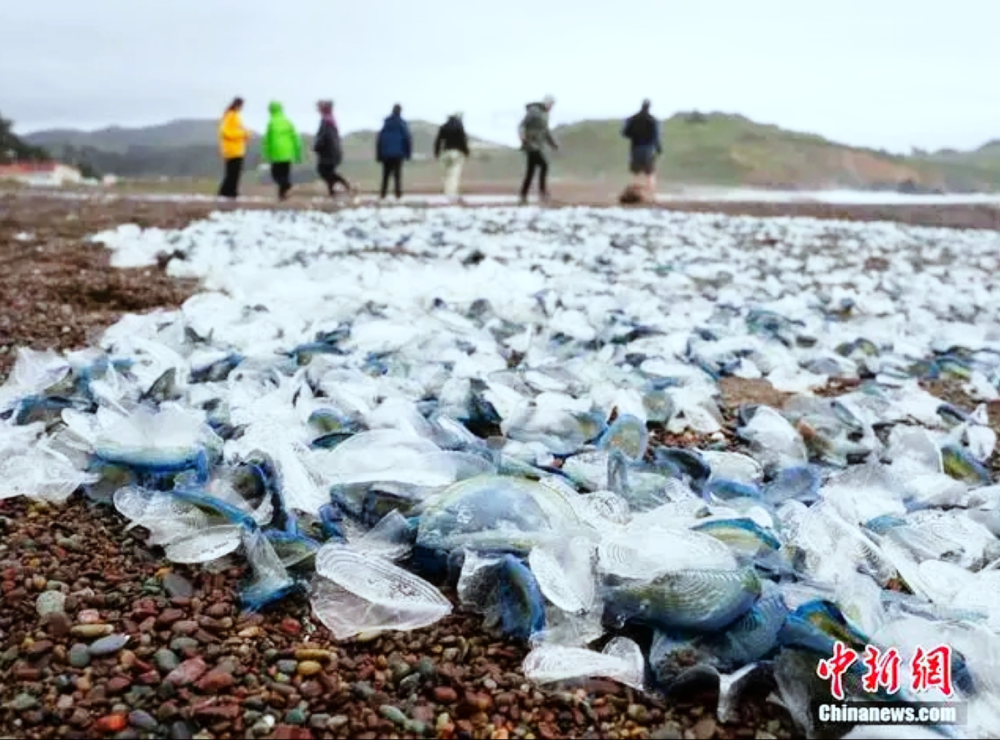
(643, 131)
(452, 147)
(329, 153)
(394, 146)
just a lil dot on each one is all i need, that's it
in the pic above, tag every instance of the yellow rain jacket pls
(232, 136)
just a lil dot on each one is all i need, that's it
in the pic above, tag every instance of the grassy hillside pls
(699, 149)
(188, 149)
(964, 170)
(360, 145)
(118, 139)
(185, 133)
(721, 149)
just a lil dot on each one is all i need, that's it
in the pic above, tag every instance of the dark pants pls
(536, 161)
(231, 180)
(281, 173)
(331, 177)
(642, 160)
(392, 167)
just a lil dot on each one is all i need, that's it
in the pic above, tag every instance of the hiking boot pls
(523, 200)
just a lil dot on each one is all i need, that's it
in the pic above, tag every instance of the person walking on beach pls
(393, 147)
(643, 131)
(233, 139)
(535, 136)
(328, 149)
(281, 147)
(452, 147)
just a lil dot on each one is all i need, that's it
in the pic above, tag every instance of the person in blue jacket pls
(394, 146)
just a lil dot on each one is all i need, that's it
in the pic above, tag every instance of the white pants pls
(453, 161)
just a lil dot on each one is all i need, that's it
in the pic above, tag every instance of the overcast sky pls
(882, 73)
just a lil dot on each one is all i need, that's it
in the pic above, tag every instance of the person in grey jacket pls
(535, 137)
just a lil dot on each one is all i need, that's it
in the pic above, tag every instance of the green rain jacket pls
(281, 142)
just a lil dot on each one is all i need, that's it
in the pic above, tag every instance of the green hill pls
(119, 139)
(188, 149)
(964, 169)
(699, 149)
(724, 149)
(360, 145)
